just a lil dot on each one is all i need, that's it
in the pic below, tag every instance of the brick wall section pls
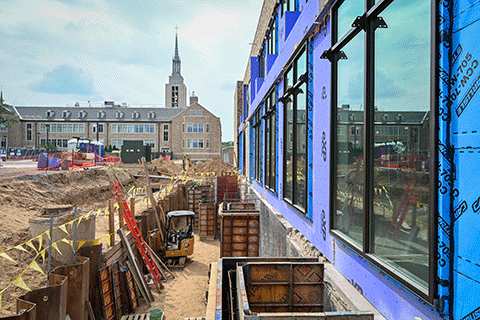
(180, 134)
(238, 110)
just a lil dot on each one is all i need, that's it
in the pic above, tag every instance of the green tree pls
(227, 144)
(5, 113)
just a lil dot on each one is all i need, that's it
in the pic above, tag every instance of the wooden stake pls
(132, 206)
(136, 269)
(160, 218)
(111, 222)
(121, 221)
(160, 261)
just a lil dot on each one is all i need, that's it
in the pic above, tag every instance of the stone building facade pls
(197, 132)
(174, 129)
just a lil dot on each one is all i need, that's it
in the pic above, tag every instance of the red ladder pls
(141, 245)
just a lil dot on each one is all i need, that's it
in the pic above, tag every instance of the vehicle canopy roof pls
(181, 213)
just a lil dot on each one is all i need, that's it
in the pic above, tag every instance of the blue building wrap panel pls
(240, 153)
(459, 148)
(252, 146)
(388, 296)
(277, 140)
(310, 101)
(262, 145)
(321, 137)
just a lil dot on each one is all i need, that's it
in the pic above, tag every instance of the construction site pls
(153, 240)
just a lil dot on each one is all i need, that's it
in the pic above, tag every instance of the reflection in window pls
(401, 151)
(258, 143)
(295, 102)
(270, 141)
(397, 109)
(349, 202)
(347, 13)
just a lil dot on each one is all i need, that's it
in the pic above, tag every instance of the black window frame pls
(261, 63)
(368, 22)
(166, 130)
(270, 138)
(290, 92)
(257, 126)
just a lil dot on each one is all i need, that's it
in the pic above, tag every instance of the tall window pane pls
(347, 13)
(300, 142)
(288, 183)
(349, 159)
(401, 150)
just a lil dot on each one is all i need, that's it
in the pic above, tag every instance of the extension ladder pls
(141, 245)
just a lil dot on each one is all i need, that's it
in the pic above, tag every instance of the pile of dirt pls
(164, 166)
(25, 197)
(211, 166)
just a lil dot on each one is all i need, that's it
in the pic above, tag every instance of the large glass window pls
(382, 155)
(401, 156)
(294, 103)
(166, 129)
(270, 141)
(195, 143)
(29, 131)
(350, 164)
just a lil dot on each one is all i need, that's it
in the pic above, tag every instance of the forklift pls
(178, 241)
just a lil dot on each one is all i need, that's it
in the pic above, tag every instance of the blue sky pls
(59, 52)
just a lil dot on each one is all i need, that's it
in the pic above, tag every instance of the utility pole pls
(47, 126)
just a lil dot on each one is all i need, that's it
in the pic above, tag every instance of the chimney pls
(193, 98)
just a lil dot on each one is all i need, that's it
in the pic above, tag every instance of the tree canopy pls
(5, 112)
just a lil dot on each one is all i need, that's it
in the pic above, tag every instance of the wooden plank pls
(159, 217)
(136, 270)
(138, 282)
(111, 223)
(159, 261)
(212, 292)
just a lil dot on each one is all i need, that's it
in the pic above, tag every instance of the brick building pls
(177, 128)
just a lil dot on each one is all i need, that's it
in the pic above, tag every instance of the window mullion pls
(369, 87)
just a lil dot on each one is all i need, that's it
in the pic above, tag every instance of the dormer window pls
(398, 117)
(101, 114)
(151, 115)
(82, 114)
(136, 115)
(50, 113)
(66, 114)
(119, 114)
(385, 117)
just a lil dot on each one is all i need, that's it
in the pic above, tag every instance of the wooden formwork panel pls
(119, 290)
(285, 287)
(227, 188)
(207, 220)
(132, 293)
(237, 206)
(239, 234)
(106, 290)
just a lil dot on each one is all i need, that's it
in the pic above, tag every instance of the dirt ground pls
(185, 296)
(26, 196)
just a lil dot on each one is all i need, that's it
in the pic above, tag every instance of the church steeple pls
(176, 77)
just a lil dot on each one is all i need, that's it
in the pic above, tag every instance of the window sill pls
(383, 267)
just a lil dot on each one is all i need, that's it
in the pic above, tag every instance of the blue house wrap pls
(452, 158)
